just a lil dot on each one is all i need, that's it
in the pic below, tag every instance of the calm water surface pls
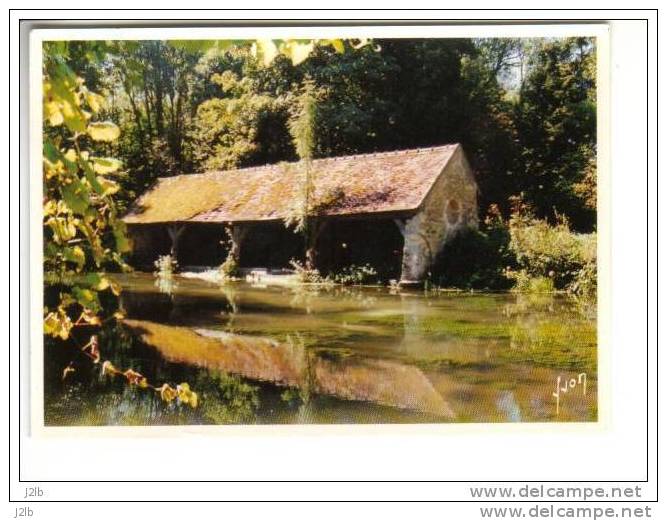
(260, 354)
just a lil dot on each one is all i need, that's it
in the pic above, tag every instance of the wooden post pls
(311, 248)
(236, 234)
(175, 231)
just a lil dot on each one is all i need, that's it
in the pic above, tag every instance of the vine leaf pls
(103, 131)
(109, 369)
(106, 165)
(69, 369)
(167, 393)
(185, 395)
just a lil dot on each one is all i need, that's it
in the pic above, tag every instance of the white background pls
(613, 450)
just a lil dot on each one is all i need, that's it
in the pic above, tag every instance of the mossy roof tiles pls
(387, 182)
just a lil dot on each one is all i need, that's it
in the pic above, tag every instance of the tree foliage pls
(523, 109)
(556, 122)
(228, 131)
(83, 234)
(118, 115)
(302, 129)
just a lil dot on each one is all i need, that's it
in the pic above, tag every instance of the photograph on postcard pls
(319, 231)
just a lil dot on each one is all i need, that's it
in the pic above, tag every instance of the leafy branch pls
(82, 229)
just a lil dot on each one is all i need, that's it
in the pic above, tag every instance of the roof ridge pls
(404, 151)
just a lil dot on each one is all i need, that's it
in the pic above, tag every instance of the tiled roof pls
(347, 185)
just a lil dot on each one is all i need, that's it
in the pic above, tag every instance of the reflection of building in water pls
(180, 307)
(412, 331)
(508, 405)
(289, 364)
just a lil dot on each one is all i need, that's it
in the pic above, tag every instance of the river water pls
(280, 354)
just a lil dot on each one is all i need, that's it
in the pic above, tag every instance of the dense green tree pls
(488, 129)
(556, 123)
(241, 128)
(524, 110)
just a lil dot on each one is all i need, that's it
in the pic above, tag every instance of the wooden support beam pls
(319, 228)
(236, 234)
(311, 248)
(175, 232)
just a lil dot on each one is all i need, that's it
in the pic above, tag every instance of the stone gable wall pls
(448, 209)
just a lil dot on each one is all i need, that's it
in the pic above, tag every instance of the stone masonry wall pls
(449, 208)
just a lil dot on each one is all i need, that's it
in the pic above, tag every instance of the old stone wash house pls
(393, 210)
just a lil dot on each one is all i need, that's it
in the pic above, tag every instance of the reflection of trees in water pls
(231, 297)
(313, 297)
(553, 331)
(179, 307)
(549, 330)
(166, 284)
(88, 397)
(91, 400)
(303, 297)
(223, 399)
(228, 399)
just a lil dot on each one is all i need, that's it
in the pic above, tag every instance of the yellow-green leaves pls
(106, 165)
(167, 392)
(62, 92)
(89, 318)
(182, 392)
(120, 236)
(185, 395)
(297, 51)
(86, 298)
(109, 369)
(69, 369)
(95, 101)
(76, 195)
(265, 50)
(63, 228)
(203, 45)
(79, 212)
(103, 131)
(66, 98)
(112, 285)
(135, 378)
(58, 162)
(337, 44)
(77, 208)
(80, 290)
(100, 282)
(75, 255)
(58, 324)
(53, 114)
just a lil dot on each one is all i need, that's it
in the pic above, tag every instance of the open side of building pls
(394, 210)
